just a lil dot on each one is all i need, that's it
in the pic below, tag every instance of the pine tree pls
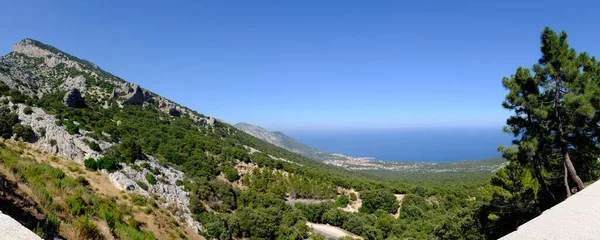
(555, 112)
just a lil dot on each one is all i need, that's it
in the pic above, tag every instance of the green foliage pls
(342, 201)
(53, 188)
(27, 110)
(150, 178)
(231, 174)
(353, 196)
(86, 229)
(23, 133)
(91, 164)
(42, 131)
(130, 150)
(138, 200)
(513, 201)
(72, 128)
(378, 199)
(142, 185)
(334, 217)
(94, 146)
(109, 163)
(7, 121)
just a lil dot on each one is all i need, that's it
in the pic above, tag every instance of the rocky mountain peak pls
(30, 48)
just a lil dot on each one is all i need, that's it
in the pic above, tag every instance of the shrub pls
(150, 178)
(86, 229)
(378, 199)
(77, 204)
(334, 217)
(353, 197)
(27, 110)
(342, 201)
(82, 181)
(94, 146)
(231, 174)
(52, 142)
(142, 185)
(42, 131)
(72, 128)
(91, 164)
(138, 200)
(109, 163)
(24, 133)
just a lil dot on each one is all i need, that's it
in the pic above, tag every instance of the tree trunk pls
(562, 141)
(566, 179)
(572, 172)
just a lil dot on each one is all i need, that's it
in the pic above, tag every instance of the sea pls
(409, 145)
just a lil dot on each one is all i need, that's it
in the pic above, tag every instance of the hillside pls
(277, 138)
(204, 175)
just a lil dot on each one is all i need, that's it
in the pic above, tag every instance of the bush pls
(24, 133)
(138, 200)
(42, 131)
(72, 128)
(231, 174)
(94, 146)
(109, 163)
(378, 199)
(77, 204)
(353, 196)
(7, 121)
(86, 229)
(52, 142)
(150, 178)
(142, 185)
(27, 110)
(82, 181)
(334, 217)
(91, 164)
(342, 201)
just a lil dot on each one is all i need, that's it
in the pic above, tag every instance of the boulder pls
(133, 94)
(74, 99)
(210, 121)
(174, 112)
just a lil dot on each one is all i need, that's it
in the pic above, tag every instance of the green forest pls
(555, 120)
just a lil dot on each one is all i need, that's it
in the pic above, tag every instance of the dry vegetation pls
(140, 218)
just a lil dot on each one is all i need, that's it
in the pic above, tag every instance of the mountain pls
(87, 155)
(277, 138)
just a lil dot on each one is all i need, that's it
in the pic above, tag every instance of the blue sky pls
(291, 65)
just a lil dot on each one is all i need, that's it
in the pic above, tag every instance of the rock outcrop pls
(174, 112)
(56, 139)
(132, 94)
(165, 190)
(31, 48)
(74, 99)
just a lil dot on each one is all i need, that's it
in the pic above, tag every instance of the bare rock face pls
(74, 99)
(133, 94)
(56, 139)
(209, 121)
(28, 47)
(165, 189)
(74, 82)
